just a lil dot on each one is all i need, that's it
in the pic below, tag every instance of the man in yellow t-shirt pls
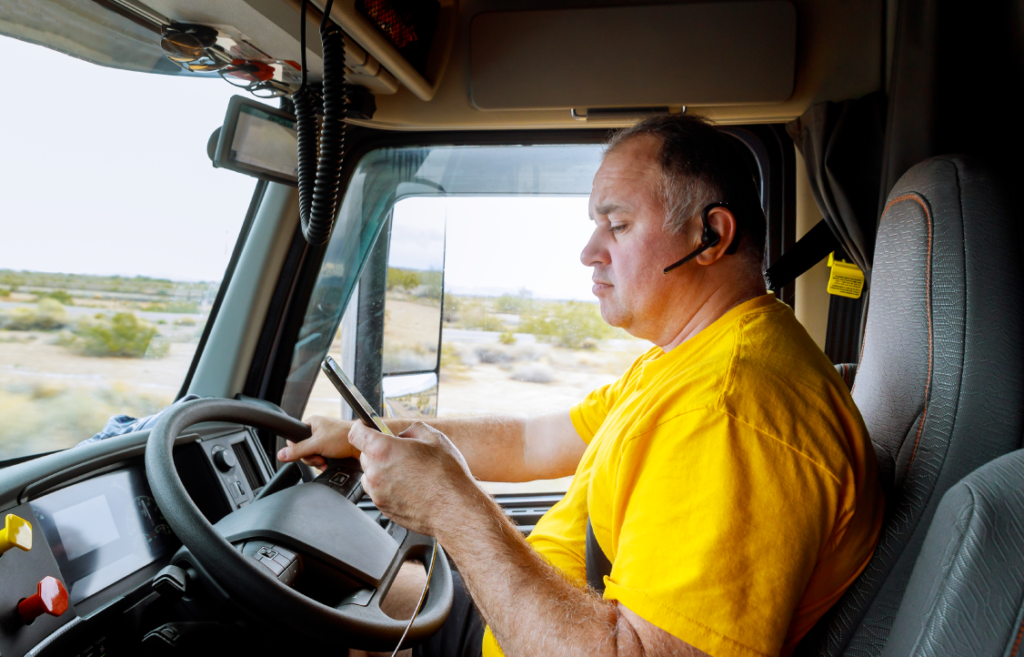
(727, 475)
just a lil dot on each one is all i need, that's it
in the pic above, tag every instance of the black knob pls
(223, 459)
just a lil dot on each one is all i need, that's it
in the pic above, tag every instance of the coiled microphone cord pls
(321, 152)
(320, 173)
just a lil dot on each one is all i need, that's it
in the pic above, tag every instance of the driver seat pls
(941, 378)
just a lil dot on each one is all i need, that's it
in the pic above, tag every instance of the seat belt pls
(808, 251)
(598, 564)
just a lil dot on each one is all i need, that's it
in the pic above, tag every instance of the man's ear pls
(723, 222)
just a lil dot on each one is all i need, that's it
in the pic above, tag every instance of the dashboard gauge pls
(148, 510)
(103, 529)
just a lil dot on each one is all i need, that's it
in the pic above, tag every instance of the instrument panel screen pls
(103, 529)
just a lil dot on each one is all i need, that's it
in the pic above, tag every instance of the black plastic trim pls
(774, 152)
(277, 321)
(22, 459)
(370, 319)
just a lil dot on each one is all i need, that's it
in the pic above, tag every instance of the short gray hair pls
(701, 165)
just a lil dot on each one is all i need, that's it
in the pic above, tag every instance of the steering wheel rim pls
(364, 627)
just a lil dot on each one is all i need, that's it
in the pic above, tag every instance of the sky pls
(497, 245)
(105, 172)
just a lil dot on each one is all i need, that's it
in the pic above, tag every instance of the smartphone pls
(353, 397)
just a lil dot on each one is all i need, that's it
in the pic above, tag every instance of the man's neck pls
(720, 301)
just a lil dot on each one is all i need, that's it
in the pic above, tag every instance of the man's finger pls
(359, 436)
(364, 439)
(295, 451)
(416, 430)
(315, 462)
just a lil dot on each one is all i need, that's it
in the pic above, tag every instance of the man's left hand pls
(419, 478)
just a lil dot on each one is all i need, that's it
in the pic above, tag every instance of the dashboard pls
(92, 538)
(102, 530)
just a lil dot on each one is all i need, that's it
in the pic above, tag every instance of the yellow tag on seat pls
(15, 533)
(845, 280)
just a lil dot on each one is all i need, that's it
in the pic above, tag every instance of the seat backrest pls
(941, 378)
(966, 593)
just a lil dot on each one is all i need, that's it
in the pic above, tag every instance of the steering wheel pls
(315, 521)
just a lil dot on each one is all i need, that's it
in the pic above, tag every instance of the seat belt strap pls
(598, 564)
(808, 251)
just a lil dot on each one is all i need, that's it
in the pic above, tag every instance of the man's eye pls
(616, 229)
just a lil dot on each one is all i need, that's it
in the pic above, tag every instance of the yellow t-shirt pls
(731, 482)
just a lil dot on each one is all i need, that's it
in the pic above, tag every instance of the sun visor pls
(699, 54)
(86, 30)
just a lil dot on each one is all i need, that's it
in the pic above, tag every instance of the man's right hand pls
(329, 441)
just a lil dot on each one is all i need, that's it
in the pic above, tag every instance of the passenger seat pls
(941, 378)
(966, 594)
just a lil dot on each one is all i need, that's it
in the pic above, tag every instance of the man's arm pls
(530, 607)
(550, 615)
(497, 448)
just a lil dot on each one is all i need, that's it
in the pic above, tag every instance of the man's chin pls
(613, 315)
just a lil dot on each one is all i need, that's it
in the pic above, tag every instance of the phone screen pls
(353, 397)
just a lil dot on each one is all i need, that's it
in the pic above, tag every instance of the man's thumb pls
(293, 451)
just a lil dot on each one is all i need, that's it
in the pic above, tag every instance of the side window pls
(498, 229)
(116, 235)
(452, 286)
(522, 333)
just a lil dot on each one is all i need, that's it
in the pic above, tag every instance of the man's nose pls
(594, 253)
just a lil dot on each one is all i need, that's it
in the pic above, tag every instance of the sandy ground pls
(36, 362)
(411, 322)
(52, 398)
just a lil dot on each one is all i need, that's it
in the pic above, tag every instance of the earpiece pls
(708, 238)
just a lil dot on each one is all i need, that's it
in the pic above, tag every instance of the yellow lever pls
(15, 533)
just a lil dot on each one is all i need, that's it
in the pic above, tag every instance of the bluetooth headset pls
(709, 237)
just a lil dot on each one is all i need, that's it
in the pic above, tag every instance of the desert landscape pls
(76, 350)
(67, 365)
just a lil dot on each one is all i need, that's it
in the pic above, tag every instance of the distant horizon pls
(75, 273)
(490, 293)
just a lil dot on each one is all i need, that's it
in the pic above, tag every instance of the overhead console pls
(390, 43)
(611, 58)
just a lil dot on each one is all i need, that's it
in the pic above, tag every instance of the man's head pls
(656, 178)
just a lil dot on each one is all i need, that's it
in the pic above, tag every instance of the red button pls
(51, 598)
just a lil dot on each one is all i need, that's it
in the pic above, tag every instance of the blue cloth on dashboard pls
(122, 424)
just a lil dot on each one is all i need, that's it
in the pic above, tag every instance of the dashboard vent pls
(245, 460)
(408, 24)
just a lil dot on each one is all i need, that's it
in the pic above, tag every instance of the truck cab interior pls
(196, 211)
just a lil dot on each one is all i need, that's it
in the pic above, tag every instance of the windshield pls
(116, 231)
(452, 285)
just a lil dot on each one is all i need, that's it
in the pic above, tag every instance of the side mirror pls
(412, 307)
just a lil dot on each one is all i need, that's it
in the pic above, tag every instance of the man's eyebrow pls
(608, 208)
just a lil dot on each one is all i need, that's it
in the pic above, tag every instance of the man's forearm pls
(531, 608)
(492, 445)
